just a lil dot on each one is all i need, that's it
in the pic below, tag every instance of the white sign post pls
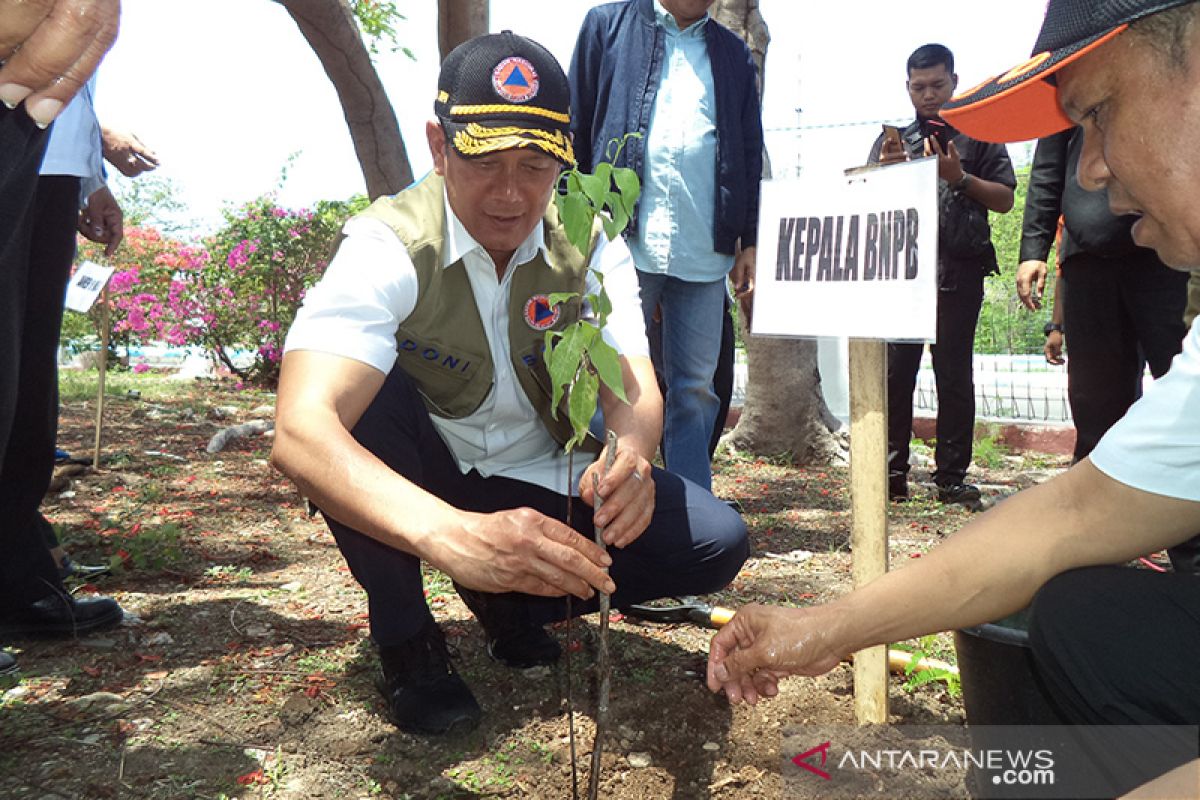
(855, 256)
(89, 282)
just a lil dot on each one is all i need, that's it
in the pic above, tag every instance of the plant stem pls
(602, 659)
(570, 701)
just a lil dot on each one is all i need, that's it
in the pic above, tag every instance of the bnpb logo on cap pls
(539, 314)
(515, 80)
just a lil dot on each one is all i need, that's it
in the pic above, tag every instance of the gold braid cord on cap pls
(476, 140)
(471, 111)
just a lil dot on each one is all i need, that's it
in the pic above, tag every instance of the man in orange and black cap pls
(413, 407)
(1114, 645)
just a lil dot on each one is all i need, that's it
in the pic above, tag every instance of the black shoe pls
(61, 616)
(84, 572)
(422, 689)
(8, 664)
(961, 493)
(897, 488)
(512, 638)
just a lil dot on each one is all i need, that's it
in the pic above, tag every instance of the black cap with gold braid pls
(502, 92)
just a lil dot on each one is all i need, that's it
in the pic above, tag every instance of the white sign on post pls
(850, 256)
(85, 286)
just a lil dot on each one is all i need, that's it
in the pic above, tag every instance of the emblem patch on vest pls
(539, 314)
(515, 80)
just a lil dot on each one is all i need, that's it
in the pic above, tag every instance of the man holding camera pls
(973, 179)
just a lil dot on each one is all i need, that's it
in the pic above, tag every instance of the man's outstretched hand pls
(763, 644)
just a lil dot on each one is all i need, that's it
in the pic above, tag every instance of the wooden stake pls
(868, 500)
(104, 334)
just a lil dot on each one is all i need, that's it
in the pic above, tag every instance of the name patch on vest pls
(434, 355)
(539, 314)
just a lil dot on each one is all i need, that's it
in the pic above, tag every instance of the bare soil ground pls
(244, 669)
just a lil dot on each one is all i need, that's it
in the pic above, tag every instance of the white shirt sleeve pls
(626, 328)
(1155, 447)
(368, 289)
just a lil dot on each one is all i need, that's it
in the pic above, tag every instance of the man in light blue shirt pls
(696, 104)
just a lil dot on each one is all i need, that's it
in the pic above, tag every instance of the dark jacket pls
(614, 78)
(1054, 190)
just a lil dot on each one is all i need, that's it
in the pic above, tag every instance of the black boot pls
(513, 638)
(60, 616)
(963, 494)
(423, 691)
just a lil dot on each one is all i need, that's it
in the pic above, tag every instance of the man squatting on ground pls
(1113, 644)
(413, 410)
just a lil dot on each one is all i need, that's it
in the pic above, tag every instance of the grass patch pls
(81, 384)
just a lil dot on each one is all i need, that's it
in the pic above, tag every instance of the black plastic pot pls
(1000, 686)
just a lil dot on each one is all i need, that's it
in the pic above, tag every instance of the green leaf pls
(574, 184)
(621, 218)
(582, 404)
(604, 174)
(608, 366)
(563, 364)
(595, 187)
(560, 297)
(629, 186)
(610, 228)
(602, 304)
(576, 216)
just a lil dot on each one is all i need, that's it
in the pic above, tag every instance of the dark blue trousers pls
(695, 543)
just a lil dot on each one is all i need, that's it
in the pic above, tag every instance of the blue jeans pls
(691, 346)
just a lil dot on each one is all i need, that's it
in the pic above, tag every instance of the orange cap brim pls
(1021, 104)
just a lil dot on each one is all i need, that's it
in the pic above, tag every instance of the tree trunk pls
(460, 20)
(330, 29)
(784, 410)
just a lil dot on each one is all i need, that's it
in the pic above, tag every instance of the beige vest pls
(442, 344)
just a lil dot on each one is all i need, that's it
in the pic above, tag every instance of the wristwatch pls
(1051, 327)
(960, 185)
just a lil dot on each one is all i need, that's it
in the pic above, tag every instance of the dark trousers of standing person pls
(1119, 314)
(1120, 646)
(27, 572)
(51, 251)
(695, 544)
(958, 307)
